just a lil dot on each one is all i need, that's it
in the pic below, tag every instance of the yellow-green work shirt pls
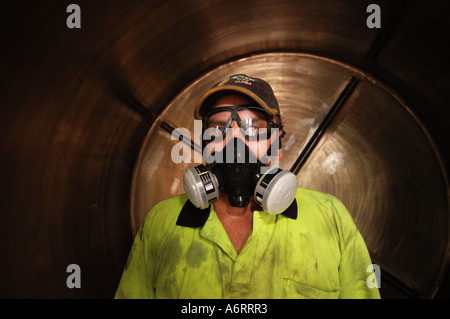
(312, 250)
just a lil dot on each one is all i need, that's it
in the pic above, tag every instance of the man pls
(244, 229)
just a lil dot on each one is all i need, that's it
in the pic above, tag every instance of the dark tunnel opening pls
(80, 107)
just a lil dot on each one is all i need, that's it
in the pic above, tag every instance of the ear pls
(280, 153)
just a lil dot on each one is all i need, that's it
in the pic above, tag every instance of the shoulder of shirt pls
(315, 197)
(165, 212)
(324, 205)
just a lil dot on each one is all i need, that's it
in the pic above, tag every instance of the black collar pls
(191, 216)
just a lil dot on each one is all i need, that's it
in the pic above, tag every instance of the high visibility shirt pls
(312, 250)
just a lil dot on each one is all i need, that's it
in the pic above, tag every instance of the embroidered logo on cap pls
(242, 79)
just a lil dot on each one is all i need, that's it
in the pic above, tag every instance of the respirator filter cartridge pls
(201, 186)
(275, 192)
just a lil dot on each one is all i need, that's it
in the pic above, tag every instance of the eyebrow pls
(217, 122)
(256, 119)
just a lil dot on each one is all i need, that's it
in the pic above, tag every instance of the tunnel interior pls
(87, 116)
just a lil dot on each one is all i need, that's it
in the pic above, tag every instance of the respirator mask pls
(235, 170)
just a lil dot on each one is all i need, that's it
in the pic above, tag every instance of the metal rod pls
(320, 131)
(171, 130)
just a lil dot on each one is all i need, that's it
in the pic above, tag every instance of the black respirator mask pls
(237, 172)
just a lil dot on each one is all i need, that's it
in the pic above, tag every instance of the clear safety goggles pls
(254, 125)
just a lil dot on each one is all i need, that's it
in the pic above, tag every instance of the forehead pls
(233, 99)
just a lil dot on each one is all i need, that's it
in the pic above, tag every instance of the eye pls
(214, 122)
(217, 130)
(213, 131)
(256, 132)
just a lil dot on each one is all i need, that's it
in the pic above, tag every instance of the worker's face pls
(252, 128)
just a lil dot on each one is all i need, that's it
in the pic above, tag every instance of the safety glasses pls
(254, 123)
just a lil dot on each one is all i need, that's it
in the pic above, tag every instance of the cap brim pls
(199, 108)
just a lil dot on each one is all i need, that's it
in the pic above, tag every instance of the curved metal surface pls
(76, 105)
(371, 156)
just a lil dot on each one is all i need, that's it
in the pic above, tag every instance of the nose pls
(235, 130)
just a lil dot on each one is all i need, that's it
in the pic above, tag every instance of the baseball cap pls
(257, 89)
